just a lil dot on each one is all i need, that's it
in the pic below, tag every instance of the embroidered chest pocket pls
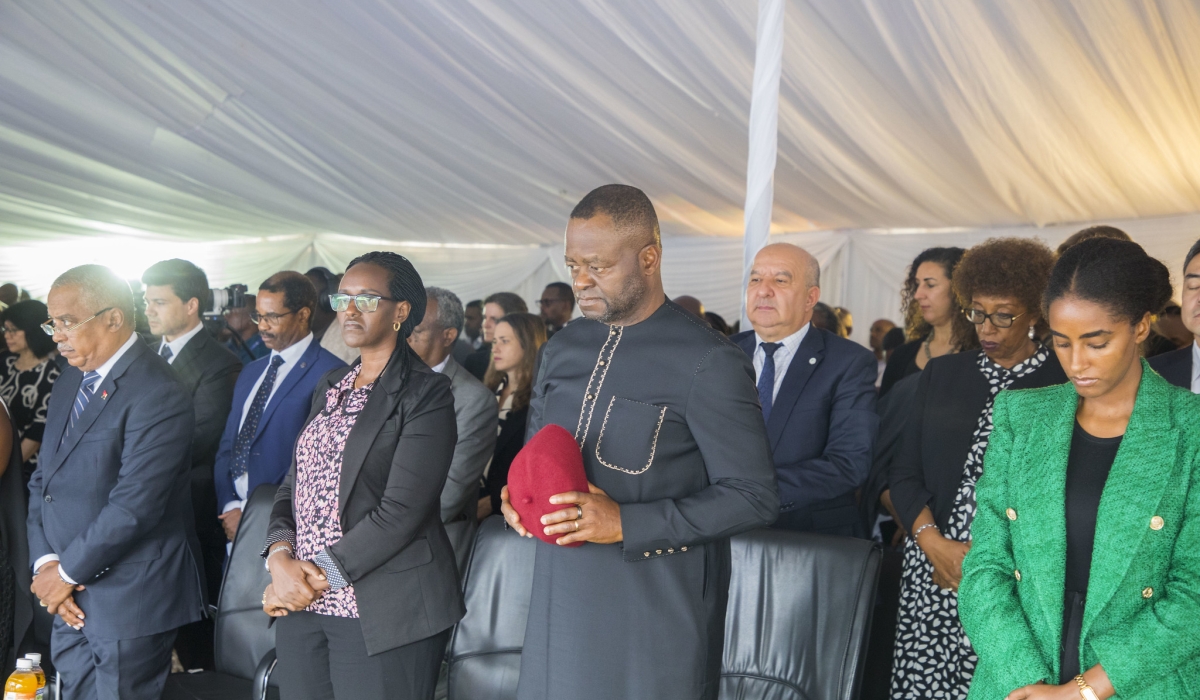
(629, 435)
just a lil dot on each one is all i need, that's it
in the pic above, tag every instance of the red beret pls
(549, 464)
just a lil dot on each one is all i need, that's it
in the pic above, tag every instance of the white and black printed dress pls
(933, 658)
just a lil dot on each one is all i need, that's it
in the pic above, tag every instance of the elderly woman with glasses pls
(363, 576)
(999, 285)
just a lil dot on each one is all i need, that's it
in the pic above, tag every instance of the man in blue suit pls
(110, 510)
(273, 395)
(817, 393)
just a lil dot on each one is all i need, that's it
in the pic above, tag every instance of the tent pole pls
(763, 135)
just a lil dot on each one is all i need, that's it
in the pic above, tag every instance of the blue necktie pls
(166, 353)
(766, 379)
(241, 446)
(82, 398)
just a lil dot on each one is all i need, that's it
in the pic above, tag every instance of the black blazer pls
(1175, 366)
(942, 419)
(510, 442)
(477, 362)
(394, 548)
(209, 371)
(902, 363)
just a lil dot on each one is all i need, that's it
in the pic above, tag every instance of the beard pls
(620, 305)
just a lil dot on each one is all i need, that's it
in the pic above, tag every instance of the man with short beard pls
(675, 449)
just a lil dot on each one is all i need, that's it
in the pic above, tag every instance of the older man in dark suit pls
(817, 392)
(176, 293)
(1182, 367)
(110, 516)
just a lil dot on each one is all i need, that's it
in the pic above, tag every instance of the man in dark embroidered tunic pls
(666, 413)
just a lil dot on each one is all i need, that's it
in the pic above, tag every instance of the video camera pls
(222, 300)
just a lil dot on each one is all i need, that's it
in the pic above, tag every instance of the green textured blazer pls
(1142, 617)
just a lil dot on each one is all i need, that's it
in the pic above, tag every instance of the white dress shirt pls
(783, 356)
(177, 344)
(291, 356)
(441, 367)
(1195, 367)
(103, 371)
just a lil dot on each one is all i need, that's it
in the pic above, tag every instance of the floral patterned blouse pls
(27, 394)
(318, 482)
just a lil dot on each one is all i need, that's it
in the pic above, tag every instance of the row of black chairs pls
(797, 625)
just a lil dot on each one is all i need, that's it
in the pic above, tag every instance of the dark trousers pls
(195, 642)
(322, 657)
(110, 669)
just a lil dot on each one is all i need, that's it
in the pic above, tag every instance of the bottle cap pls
(35, 658)
(24, 665)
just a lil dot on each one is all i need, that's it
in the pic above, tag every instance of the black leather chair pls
(799, 616)
(485, 649)
(796, 627)
(245, 644)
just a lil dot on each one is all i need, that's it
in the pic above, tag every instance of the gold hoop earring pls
(396, 326)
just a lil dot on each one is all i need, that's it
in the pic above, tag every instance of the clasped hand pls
(56, 595)
(589, 517)
(294, 585)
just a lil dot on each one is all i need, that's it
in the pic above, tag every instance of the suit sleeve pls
(988, 603)
(38, 546)
(156, 451)
(907, 478)
(213, 399)
(223, 461)
(723, 416)
(412, 493)
(846, 461)
(476, 442)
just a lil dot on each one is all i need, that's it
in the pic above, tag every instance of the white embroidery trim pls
(604, 359)
(662, 412)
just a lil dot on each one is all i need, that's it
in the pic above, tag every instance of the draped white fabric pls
(252, 136)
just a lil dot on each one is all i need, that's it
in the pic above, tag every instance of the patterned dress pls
(934, 659)
(318, 482)
(27, 395)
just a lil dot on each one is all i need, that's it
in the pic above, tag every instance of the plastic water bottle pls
(22, 684)
(41, 675)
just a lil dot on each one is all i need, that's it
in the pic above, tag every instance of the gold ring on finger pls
(576, 526)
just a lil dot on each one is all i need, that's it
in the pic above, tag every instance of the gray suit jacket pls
(113, 499)
(476, 414)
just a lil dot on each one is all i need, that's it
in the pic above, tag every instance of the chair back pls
(243, 633)
(799, 616)
(485, 649)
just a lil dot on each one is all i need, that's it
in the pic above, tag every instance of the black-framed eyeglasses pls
(999, 319)
(365, 303)
(271, 319)
(68, 327)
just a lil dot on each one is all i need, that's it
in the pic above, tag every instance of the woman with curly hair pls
(999, 285)
(933, 320)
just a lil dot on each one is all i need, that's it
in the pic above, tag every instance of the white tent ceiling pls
(303, 132)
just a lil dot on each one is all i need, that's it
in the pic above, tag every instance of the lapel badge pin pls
(812, 360)
(104, 395)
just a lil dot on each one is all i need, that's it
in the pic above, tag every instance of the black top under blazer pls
(942, 419)
(394, 548)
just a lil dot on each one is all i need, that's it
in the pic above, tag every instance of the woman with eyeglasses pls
(363, 577)
(27, 377)
(515, 344)
(999, 285)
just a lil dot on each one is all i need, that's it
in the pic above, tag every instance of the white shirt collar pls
(177, 344)
(790, 343)
(1196, 366)
(441, 366)
(105, 368)
(292, 353)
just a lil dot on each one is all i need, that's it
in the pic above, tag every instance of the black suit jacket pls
(394, 548)
(942, 419)
(478, 361)
(1175, 366)
(113, 499)
(209, 371)
(508, 444)
(822, 431)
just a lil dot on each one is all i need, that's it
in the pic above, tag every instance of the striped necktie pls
(86, 389)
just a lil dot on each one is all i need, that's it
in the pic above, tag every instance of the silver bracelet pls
(922, 529)
(286, 548)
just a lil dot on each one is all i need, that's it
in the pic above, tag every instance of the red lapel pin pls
(104, 395)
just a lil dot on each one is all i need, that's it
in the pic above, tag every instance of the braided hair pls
(404, 284)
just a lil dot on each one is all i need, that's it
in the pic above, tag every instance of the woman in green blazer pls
(1083, 579)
